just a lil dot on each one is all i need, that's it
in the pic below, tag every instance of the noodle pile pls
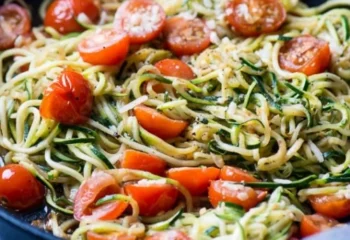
(290, 129)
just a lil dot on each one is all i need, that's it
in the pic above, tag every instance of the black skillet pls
(15, 226)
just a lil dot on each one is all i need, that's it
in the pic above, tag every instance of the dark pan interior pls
(15, 226)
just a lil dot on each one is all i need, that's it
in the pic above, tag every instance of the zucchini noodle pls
(243, 109)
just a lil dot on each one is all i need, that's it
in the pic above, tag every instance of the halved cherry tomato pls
(14, 21)
(186, 36)
(312, 224)
(61, 14)
(255, 17)
(331, 205)
(19, 190)
(97, 186)
(305, 54)
(169, 235)
(152, 197)
(225, 191)
(68, 99)
(109, 236)
(172, 68)
(142, 161)
(175, 68)
(158, 124)
(236, 175)
(106, 47)
(142, 19)
(195, 179)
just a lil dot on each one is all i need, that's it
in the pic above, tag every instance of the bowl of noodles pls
(194, 119)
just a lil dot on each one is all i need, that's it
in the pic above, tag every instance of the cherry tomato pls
(106, 47)
(255, 17)
(19, 189)
(312, 224)
(152, 197)
(305, 54)
(195, 179)
(97, 186)
(330, 205)
(142, 19)
(236, 175)
(158, 124)
(15, 21)
(169, 235)
(186, 36)
(61, 14)
(109, 236)
(225, 191)
(68, 99)
(142, 161)
(175, 68)
(87, 7)
(172, 68)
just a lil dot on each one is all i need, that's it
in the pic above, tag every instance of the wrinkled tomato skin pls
(68, 99)
(19, 189)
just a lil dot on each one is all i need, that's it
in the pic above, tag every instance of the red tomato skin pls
(144, 162)
(195, 180)
(175, 68)
(154, 198)
(99, 185)
(315, 51)
(136, 8)
(169, 235)
(236, 175)
(88, 7)
(19, 188)
(186, 37)
(257, 24)
(60, 16)
(159, 124)
(330, 206)
(68, 99)
(218, 192)
(111, 236)
(10, 30)
(316, 223)
(112, 52)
